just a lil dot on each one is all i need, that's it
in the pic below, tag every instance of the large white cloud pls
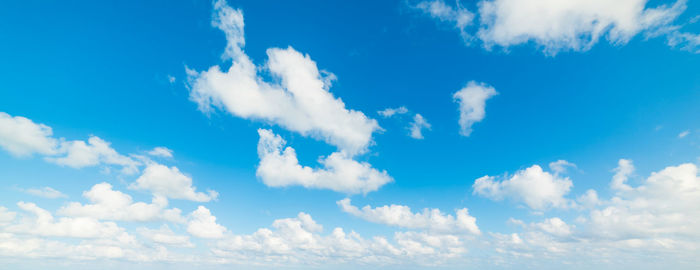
(109, 204)
(279, 167)
(296, 99)
(533, 187)
(401, 216)
(170, 182)
(472, 104)
(666, 204)
(557, 26)
(22, 137)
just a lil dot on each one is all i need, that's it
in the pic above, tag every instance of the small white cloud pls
(683, 134)
(401, 216)
(203, 224)
(458, 16)
(279, 167)
(560, 166)
(171, 183)
(161, 152)
(46, 192)
(416, 127)
(171, 79)
(389, 112)
(472, 104)
(623, 171)
(534, 187)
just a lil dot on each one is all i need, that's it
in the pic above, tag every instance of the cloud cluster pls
(300, 241)
(555, 26)
(279, 167)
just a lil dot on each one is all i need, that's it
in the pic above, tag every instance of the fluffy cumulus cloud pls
(43, 223)
(665, 205)
(203, 224)
(170, 182)
(300, 241)
(109, 204)
(534, 187)
(297, 99)
(79, 154)
(22, 137)
(658, 218)
(279, 167)
(557, 26)
(401, 216)
(472, 104)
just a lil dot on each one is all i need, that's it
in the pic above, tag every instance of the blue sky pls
(153, 135)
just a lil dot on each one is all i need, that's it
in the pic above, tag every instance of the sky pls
(435, 134)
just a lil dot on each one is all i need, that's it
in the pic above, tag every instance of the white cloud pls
(6, 216)
(683, 134)
(298, 241)
(203, 224)
(560, 166)
(164, 235)
(666, 204)
(534, 187)
(589, 199)
(623, 171)
(416, 127)
(43, 223)
(22, 137)
(279, 167)
(171, 183)
(574, 25)
(685, 41)
(389, 112)
(458, 16)
(472, 104)
(161, 152)
(46, 192)
(109, 204)
(297, 99)
(97, 151)
(401, 216)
